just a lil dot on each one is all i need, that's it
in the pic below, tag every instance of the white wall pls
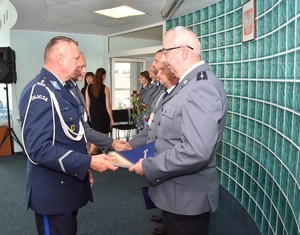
(29, 47)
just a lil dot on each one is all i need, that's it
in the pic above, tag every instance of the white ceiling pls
(77, 16)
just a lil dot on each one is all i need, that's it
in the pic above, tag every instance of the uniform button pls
(71, 118)
(156, 137)
(75, 174)
(157, 181)
(62, 182)
(158, 124)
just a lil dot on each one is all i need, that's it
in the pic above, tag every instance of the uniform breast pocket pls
(70, 117)
(168, 122)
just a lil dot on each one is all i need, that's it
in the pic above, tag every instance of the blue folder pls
(130, 157)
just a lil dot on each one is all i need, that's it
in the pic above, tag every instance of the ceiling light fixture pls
(120, 12)
(169, 7)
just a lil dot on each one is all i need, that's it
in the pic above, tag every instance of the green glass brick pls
(229, 21)
(220, 7)
(237, 19)
(233, 155)
(238, 193)
(204, 14)
(228, 6)
(279, 121)
(260, 7)
(268, 185)
(264, 155)
(267, 70)
(272, 136)
(259, 90)
(291, 9)
(221, 55)
(244, 72)
(231, 186)
(213, 56)
(297, 31)
(235, 120)
(270, 164)
(275, 18)
(212, 41)
(244, 102)
(240, 162)
(204, 43)
(251, 108)
(236, 87)
(266, 91)
(260, 47)
(258, 131)
(183, 21)
(221, 39)
(260, 196)
(237, 70)
(282, 13)
(266, 113)
(189, 19)
(292, 160)
(291, 38)
(281, 204)
(229, 38)
(220, 23)
(266, 205)
(249, 150)
(268, 23)
(257, 154)
(250, 129)
(252, 90)
(282, 36)
(260, 27)
(296, 130)
(220, 70)
(260, 69)
(288, 122)
(252, 50)
(245, 54)
(254, 174)
(290, 66)
(274, 45)
(236, 105)
(274, 92)
(258, 217)
(229, 54)
(297, 97)
(275, 195)
(212, 10)
(278, 146)
(237, 34)
(289, 95)
(224, 180)
(197, 30)
(252, 69)
(273, 218)
(228, 119)
(225, 165)
(205, 28)
(264, 226)
(243, 125)
(274, 67)
(265, 135)
(235, 138)
(197, 16)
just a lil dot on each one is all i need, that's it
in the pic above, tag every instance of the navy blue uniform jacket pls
(57, 168)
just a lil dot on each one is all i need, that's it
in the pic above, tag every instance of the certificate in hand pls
(128, 158)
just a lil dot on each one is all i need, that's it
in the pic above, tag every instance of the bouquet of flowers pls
(140, 114)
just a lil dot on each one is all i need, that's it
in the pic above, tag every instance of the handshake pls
(104, 162)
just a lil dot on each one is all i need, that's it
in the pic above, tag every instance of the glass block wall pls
(258, 159)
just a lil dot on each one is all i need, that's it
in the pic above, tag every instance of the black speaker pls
(8, 73)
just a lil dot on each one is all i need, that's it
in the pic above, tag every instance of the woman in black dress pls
(98, 105)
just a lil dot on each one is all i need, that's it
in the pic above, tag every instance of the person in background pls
(144, 80)
(99, 106)
(57, 175)
(187, 126)
(102, 141)
(88, 79)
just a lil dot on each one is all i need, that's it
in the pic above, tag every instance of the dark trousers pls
(185, 224)
(64, 224)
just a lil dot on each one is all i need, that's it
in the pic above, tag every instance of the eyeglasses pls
(165, 50)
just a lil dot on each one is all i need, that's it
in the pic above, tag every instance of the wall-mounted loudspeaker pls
(8, 73)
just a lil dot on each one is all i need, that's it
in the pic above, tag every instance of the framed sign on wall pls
(248, 21)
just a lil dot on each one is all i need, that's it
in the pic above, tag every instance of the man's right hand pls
(102, 162)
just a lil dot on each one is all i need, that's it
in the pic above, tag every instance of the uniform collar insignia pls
(55, 85)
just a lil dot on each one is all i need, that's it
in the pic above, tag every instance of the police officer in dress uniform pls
(58, 166)
(187, 126)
